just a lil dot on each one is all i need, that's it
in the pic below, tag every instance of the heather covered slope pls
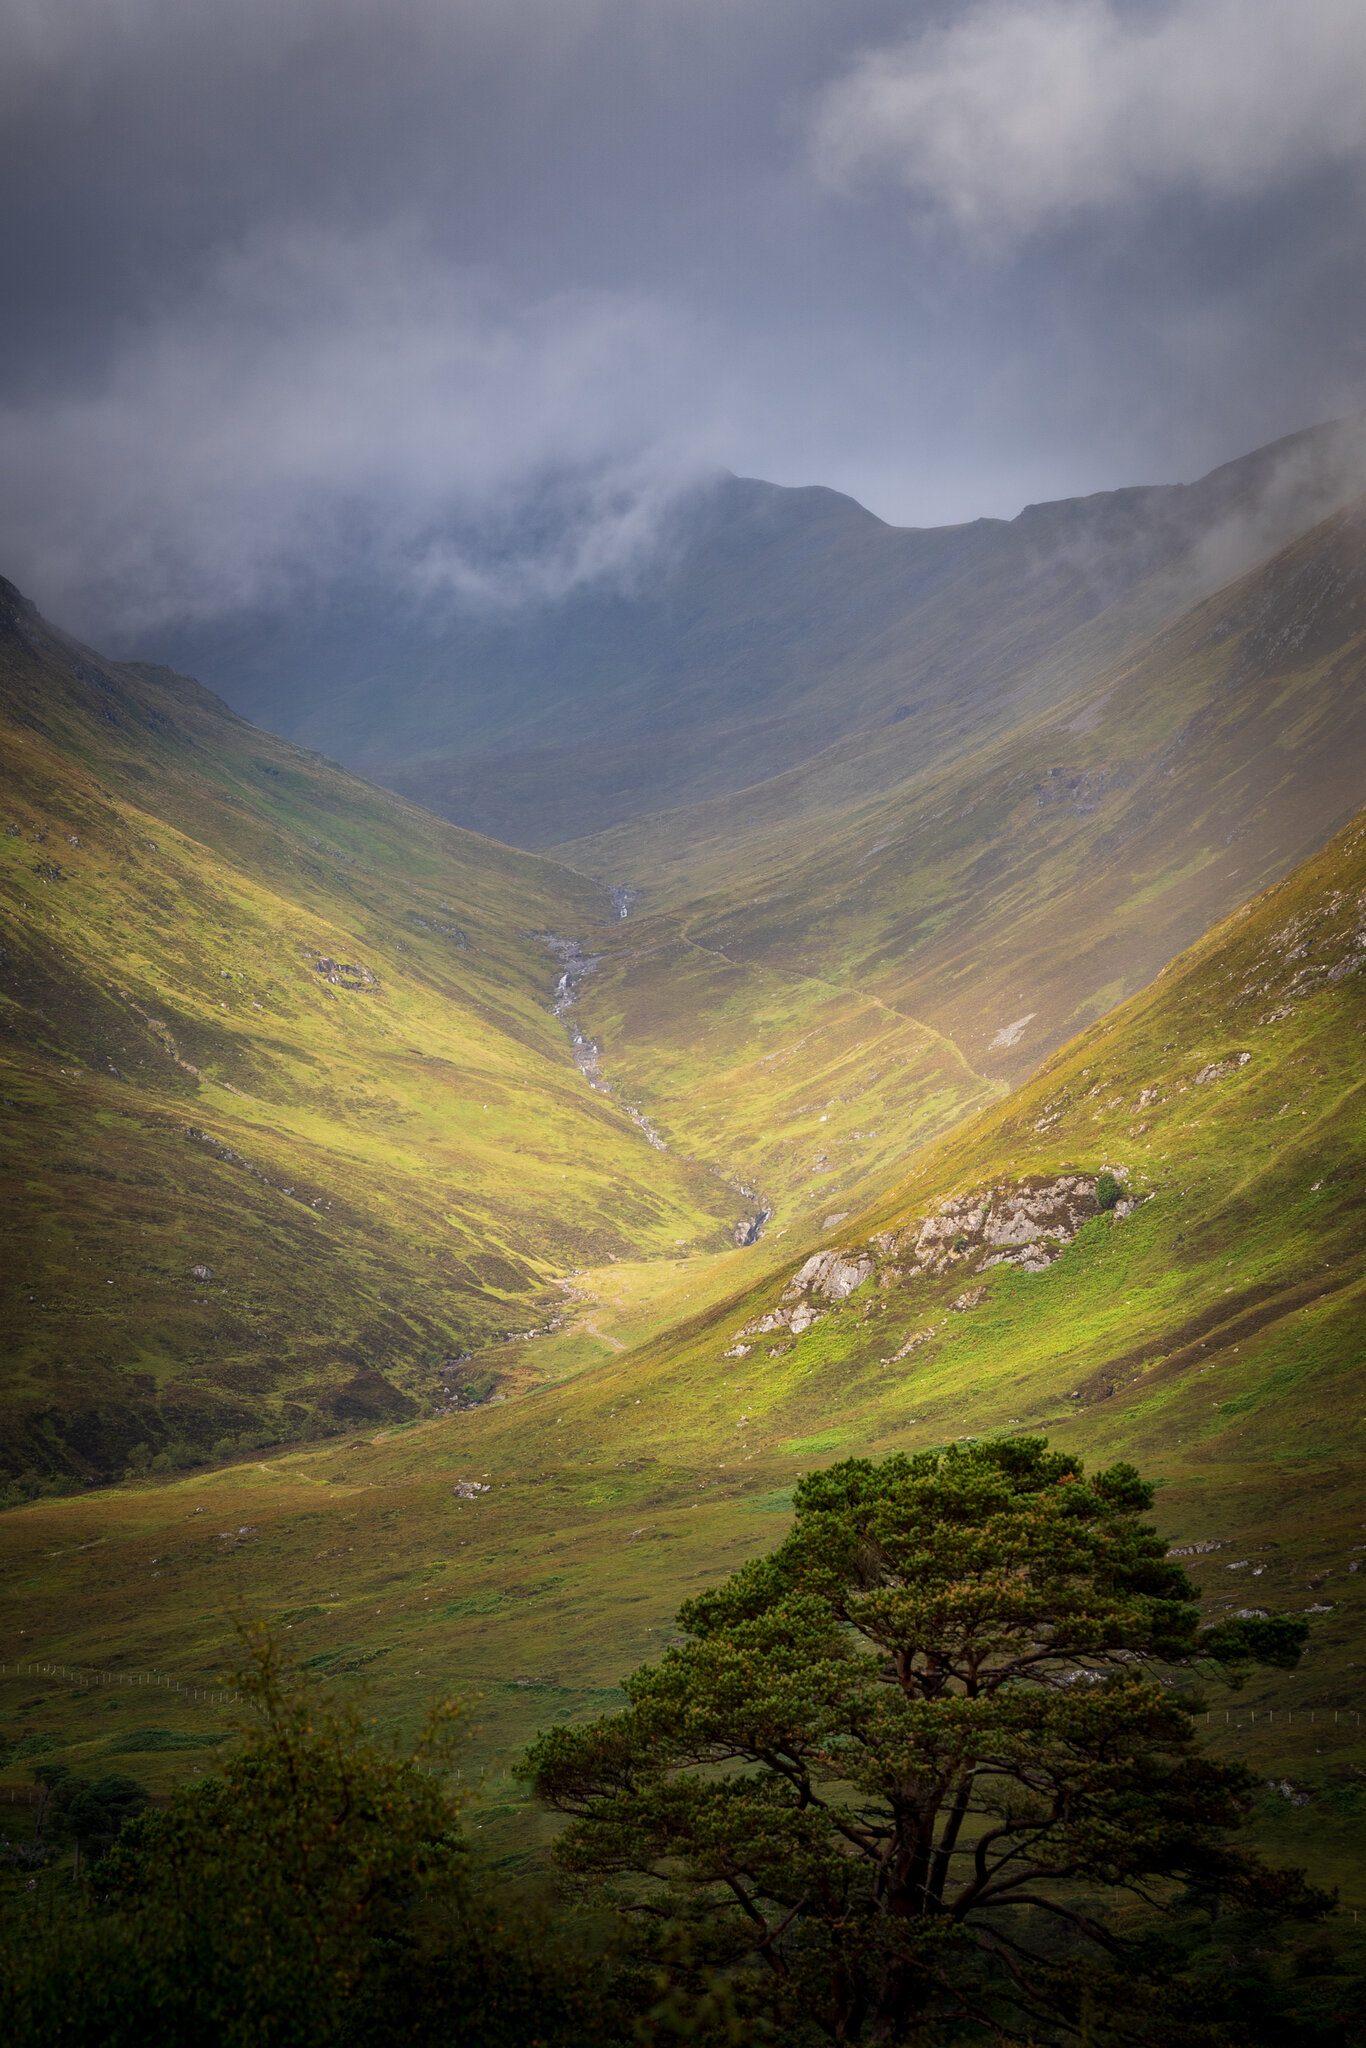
(260, 1019)
(766, 626)
(534, 1552)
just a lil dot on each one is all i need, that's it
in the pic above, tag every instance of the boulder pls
(832, 1275)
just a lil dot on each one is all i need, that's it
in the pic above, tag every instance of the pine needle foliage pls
(931, 1763)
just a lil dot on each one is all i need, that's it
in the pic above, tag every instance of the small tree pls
(260, 1899)
(317, 1894)
(87, 1812)
(909, 1766)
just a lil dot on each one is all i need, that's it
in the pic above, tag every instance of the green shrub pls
(139, 1739)
(1109, 1191)
(317, 1893)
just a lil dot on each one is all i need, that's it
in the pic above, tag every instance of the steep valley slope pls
(317, 1108)
(1208, 1325)
(826, 987)
(289, 1129)
(1019, 765)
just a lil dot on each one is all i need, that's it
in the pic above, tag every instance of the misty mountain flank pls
(756, 627)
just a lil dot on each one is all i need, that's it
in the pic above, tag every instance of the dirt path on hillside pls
(590, 1325)
(794, 975)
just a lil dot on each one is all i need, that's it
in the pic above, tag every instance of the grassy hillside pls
(767, 626)
(1210, 1327)
(288, 1123)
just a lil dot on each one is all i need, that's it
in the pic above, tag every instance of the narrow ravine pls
(575, 968)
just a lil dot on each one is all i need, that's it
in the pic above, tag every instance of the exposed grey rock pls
(1025, 1225)
(344, 973)
(973, 1297)
(833, 1275)
(826, 1276)
(470, 1489)
(201, 1272)
(1218, 1070)
(796, 1318)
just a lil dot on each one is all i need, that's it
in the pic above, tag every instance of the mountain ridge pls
(774, 621)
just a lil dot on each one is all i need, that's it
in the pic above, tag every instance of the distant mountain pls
(770, 624)
(288, 1125)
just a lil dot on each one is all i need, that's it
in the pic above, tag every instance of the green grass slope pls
(261, 1019)
(812, 1092)
(1213, 1331)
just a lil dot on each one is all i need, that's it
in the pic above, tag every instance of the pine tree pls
(933, 1763)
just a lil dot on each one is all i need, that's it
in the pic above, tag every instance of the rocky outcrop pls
(1315, 948)
(1027, 1224)
(797, 1318)
(826, 1277)
(831, 1275)
(344, 973)
(1219, 1070)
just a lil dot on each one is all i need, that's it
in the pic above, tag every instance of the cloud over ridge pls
(469, 288)
(318, 391)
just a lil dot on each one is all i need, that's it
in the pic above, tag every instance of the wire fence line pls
(1284, 1717)
(220, 1694)
(91, 1681)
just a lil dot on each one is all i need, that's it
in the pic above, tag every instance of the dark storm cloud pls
(290, 276)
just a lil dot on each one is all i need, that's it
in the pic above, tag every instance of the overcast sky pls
(279, 273)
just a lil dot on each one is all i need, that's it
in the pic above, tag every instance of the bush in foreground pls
(318, 1891)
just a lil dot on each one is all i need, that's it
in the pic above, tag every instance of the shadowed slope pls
(1005, 898)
